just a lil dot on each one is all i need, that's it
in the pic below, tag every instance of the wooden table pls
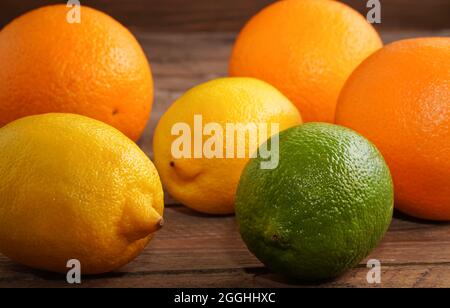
(194, 250)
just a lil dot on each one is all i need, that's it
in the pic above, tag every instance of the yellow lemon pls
(204, 140)
(75, 188)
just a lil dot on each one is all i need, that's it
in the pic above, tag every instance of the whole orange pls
(399, 98)
(95, 68)
(306, 49)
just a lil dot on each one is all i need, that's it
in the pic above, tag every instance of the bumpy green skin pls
(323, 209)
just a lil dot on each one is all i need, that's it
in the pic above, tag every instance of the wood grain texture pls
(194, 250)
(230, 15)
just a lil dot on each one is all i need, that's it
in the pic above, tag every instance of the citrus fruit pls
(75, 188)
(208, 183)
(94, 68)
(306, 49)
(324, 208)
(399, 98)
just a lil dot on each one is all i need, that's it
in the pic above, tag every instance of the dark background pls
(230, 15)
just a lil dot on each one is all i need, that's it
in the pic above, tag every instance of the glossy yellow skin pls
(75, 188)
(208, 185)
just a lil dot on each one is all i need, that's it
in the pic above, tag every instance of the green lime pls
(322, 209)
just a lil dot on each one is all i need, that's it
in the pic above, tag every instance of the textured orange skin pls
(399, 98)
(95, 68)
(306, 49)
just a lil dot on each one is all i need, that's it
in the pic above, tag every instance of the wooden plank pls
(194, 250)
(230, 15)
(398, 276)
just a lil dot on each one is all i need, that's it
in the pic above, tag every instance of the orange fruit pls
(95, 68)
(306, 49)
(399, 98)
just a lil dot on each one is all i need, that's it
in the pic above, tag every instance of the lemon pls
(205, 182)
(75, 188)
